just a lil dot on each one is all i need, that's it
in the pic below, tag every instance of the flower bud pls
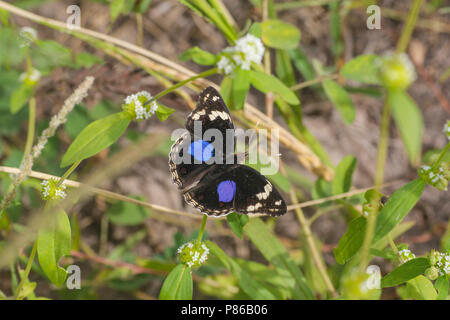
(397, 71)
(432, 273)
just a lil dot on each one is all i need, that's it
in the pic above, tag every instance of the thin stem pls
(202, 228)
(140, 29)
(67, 173)
(409, 26)
(182, 83)
(308, 83)
(31, 126)
(383, 144)
(27, 270)
(441, 156)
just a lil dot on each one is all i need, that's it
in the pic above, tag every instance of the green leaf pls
(20, 97)
(237, 222)
(178, 284)
(199, 56)
(241, 84)
(441, 284)
(254, 289)
(351, 241)
(53, 243)
(284, 68)
(343, 175)
(255, 29)
(50, 54)
(274, 252)
(126, 213)
(341, 100)
(409, 121)
(363, 69)
(163, 112)
(393, 212)
(397, 207)
(405, 272)
(421, 288)
(226, 88)
(97, 136)
(267, 83)
(280, 35)
(87, 60)
(27, 289)
(115, 8)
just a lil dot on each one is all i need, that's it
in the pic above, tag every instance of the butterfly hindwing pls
(237, 188)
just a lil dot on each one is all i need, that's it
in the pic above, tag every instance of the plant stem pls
(202, 228)
(182, 83)
(409, 26)
(383, 144)
(27, 270)
(140, 29)
(436, 163)
(308, 83)
(31, 126)
(68, 172)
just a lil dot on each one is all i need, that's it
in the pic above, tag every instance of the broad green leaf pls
(409, 121)
(343, 175)
(274, 252)
(405, 272)
(363, 68)
(241, 84)
(255, 29)
(97, 136)
(199, 56)
(340, 99)
(178, 284)
(267, 83)
(247, 283)
(53, 243)
(441, 284)
(126, 213)
(351, 241)
(397, 207)
(237, 222)
(421, 288)
(163, 112)
(20, 96)
(280, 35)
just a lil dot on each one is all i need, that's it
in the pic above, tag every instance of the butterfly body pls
(206, 169)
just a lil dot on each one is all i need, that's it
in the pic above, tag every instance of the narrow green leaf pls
(237, 222)
(20, 96)
(178, 284)
(53, 243)
(351, 241)
(274, 251)
(97, 136)
(226, 88)
(421, 288)
(280, 35)
(343, 175)
(397, 207)
(254, 289)
(363, 68)
(199, 56)
(255, 29)
(267, 83)
(284, 68)
(405, 272)
(241, 84)
(409, 121)
(341, 100)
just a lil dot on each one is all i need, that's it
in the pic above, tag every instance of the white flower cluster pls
(193, 253)
(406, 255)
(30, 77)
(447, 129)
(135, 105)
(51, 191)
(436, 177)
(443, 263)
(248, 49)
(27, 36)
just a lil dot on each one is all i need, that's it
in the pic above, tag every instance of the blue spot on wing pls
(201, 150)
(226, 190)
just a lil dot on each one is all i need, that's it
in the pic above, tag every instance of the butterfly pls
(218, 188)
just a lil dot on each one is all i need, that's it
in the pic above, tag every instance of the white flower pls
(138, 108)
(28, 32)
(406, 255)
(447, 129)
(51, 191)
(30, 77)
(248, 49)
(193, 253)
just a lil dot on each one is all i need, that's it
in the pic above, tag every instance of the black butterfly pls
(218, 188)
